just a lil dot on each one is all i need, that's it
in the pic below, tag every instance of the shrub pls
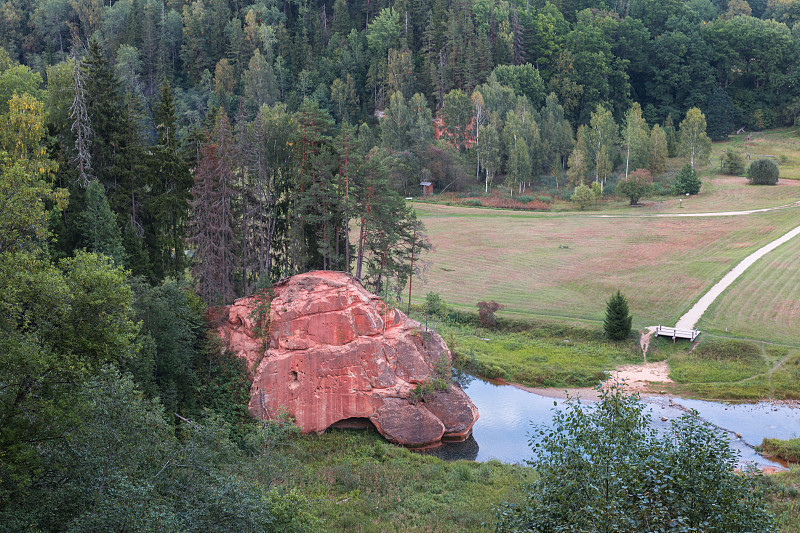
(617, 324)
(486, 312)
(434, 305)
(686, 181)
(732, 162)
(603, 467)
(474, 202)
(763, 172)
(638, 183)
(583, 196)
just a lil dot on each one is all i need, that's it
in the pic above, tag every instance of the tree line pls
(732, 59)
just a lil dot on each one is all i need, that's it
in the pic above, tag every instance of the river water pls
(508, 413)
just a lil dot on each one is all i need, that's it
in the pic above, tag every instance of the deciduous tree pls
(694, 142)
(636, 185)
(603, 467)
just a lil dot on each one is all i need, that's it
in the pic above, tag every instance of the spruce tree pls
(686, 181)
(107, 115)
(169, 180)
(99, 227)
(617, 324)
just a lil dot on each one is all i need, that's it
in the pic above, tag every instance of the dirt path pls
(689, 320)
(641, 378)
(706, 214)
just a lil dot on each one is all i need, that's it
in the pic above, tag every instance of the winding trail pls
(692, 316)
(689, 320)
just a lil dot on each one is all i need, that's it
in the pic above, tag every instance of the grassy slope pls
(783, 490)
(764, 302)
(731, 369)
(538, 354)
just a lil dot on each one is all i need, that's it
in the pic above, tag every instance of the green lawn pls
(764, 303)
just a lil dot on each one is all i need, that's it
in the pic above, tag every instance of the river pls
(507, 414)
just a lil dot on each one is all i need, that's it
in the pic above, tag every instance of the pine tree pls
(617, 324)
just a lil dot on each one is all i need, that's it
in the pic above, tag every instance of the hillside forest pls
(159, 159)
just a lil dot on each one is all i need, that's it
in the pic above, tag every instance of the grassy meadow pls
(535, 353)
(358, 482)
(566, 266)
(555, 271)
(721, 368)
(764, 303)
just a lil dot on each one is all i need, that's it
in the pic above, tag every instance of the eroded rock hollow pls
(333, 353)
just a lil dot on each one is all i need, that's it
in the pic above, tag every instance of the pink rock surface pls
(334, 352)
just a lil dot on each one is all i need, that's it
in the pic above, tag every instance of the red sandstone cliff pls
(335, 353)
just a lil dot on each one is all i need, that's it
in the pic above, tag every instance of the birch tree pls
(694, 143)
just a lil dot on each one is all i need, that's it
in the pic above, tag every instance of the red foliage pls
(486, 312)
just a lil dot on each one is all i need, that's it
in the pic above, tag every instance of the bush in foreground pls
(605, 468)
(763, 172)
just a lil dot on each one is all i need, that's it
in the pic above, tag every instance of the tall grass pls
(359, 482)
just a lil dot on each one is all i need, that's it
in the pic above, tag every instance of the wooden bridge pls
(675, 333)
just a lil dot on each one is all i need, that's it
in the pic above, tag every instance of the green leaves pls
(604, 468)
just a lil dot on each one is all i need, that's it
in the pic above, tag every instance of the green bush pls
(603, 467)
(434, 305)
(617, 324)
(524, 199)
(472, 202)
(732, 162)
(763, 172)
(583, 196)
(686, 181)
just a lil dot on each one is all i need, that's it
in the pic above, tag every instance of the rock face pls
(335, 354)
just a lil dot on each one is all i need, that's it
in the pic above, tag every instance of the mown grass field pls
(763, 303)
(566, 266)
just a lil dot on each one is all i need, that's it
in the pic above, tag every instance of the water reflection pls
(508, 413)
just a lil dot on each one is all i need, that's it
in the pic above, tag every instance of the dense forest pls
(286, 125)
(160, 158)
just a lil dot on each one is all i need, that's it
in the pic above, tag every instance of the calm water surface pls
(508, 413)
